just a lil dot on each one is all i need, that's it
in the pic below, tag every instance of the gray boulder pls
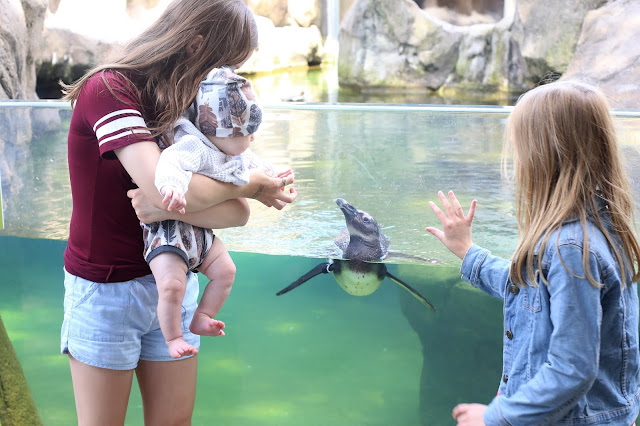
(21, 44)
(547, 32)
(395, 44)
(67, 57)
(608, 52)
(21, 27)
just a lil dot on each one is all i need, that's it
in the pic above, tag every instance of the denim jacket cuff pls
(471, 262)
(492, 415)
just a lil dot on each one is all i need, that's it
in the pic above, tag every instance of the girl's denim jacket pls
(570, 351)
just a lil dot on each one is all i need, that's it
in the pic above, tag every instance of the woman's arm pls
(227, 214)
(270, 191)
(140, 161)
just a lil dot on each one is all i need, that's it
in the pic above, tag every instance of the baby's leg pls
(221, 271)
(170, 273)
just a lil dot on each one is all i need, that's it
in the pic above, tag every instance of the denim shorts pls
(114, 325)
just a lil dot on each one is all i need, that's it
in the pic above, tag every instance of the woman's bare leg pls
(101, 394)
(168, 390)
(170, 273)
(221, 271)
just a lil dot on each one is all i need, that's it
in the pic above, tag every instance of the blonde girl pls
(570, 295)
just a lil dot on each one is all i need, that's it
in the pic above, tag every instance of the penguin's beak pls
(347, 209)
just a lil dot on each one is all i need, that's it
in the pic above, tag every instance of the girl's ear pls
(195, 45)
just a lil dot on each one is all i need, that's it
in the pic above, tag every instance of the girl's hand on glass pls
(469, 414)
(174, 197)
(456, 227)
(270, 191)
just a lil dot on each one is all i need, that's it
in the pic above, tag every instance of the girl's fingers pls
(456, 204)
(435, 231)
(472, 211)
(439, 213)
(458, 409)
(445, 203)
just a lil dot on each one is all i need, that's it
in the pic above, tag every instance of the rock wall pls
(608, 52)
(21, 43)
(395, 45)
(73, 45)
(399, 46)
(21, 25)
(547, 32)
(383, 44)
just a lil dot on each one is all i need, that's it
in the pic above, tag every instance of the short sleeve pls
(112, 112)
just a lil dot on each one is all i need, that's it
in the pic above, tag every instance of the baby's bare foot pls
(178, 348)
(204, 325)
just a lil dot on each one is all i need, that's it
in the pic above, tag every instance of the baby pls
(226, 116)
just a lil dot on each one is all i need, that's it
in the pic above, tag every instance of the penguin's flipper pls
(322, 268)
(413, 291)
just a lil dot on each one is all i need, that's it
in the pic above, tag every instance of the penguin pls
(360, 271)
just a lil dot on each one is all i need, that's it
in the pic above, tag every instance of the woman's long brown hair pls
(170, 76)
(562, 142)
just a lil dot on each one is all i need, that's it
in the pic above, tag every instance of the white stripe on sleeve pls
(114, 113)
(124, 123)
(122, 134)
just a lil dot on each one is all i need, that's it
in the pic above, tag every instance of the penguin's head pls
(359, 223)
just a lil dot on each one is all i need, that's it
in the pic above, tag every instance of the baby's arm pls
(175, 168)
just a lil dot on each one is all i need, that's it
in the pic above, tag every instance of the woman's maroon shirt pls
(105, 238)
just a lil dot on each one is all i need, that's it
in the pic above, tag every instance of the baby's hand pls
(174, 197)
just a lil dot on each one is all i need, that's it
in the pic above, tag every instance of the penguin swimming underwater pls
(360, 271)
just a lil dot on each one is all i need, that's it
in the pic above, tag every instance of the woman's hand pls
(270, 191)
(456, 234)
(469, 414)
(146, 211)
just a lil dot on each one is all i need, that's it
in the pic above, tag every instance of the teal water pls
(315, 356)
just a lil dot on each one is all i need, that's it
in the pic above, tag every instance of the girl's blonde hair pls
(561, 140)
(159, 56)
